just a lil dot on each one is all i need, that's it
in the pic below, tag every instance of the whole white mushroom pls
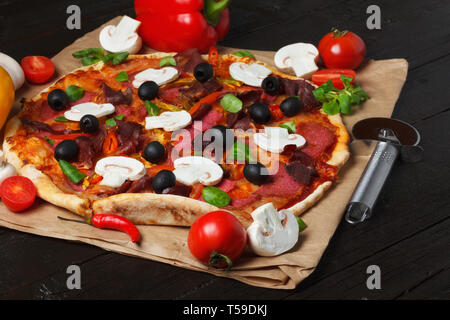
(14, 69)
(272, 232)
(297, 58)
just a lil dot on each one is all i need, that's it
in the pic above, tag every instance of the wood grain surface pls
(409, 233)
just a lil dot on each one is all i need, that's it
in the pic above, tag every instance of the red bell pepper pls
(178, 25)
(322, 76)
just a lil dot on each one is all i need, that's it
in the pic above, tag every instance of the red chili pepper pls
(111, 221)
(213, 56)
(111, 143)
(276, 112)
(196, 191)
(69, 136)
(177, 25)
(96, 180)
(209, 99)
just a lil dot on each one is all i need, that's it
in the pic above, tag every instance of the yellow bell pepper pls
(6, 95)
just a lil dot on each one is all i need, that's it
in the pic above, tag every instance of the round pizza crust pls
(150, 208)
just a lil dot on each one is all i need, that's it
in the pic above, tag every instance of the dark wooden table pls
(408, 236)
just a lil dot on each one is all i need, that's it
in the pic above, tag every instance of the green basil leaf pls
(241, 152)
(319, 94)
(331, 107)
(361, 93)
(61, 119)
(346, 80)
(91, 52)
(215, 196)
(50, 141)
(87, 61)
(108, 57)
(167, 61)
(328, 86)
(74, 92)
(290, 126)
(90, 56)
(335, 101)
(231, 103)
(243, 53)
(152, 109)
(325, 91)
(111, 122)
(122, 77)
(80, 54)
(71, 172)
(119, 58)
(301, 224)
(120, 116)
(344, 103)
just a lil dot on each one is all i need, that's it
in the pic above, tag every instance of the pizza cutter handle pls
(371, 182)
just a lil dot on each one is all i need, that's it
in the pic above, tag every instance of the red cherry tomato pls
(342, 50)
(18, 193)
(38, 69)
(217, 239)
(322, 76)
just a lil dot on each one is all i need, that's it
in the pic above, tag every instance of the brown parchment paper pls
(383, 81)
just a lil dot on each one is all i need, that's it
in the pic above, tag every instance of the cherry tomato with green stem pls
(217, 239)
(342, 50)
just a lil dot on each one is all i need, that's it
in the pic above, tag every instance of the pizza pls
(135, 139)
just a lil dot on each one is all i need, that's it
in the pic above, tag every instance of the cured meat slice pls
(128, 134)
(318, 138)
(301, 173)
(144, 183)
(117, 97)
(281, 184)
(187, 60)
(90, 147)
(303, 90)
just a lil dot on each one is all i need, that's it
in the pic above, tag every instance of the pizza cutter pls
(394, 138)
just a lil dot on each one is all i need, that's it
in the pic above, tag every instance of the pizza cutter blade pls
(394, 138)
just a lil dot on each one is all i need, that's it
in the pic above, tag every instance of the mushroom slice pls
(112, 179)
(99, 110)
(160, 76)
(272, 232)
(298, 58)
(169, 120)
(122, 37)
(117, 169)
(274, 139)
(253, 74)
(192, 169)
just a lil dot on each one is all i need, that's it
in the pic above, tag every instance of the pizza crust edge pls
(161, 209)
